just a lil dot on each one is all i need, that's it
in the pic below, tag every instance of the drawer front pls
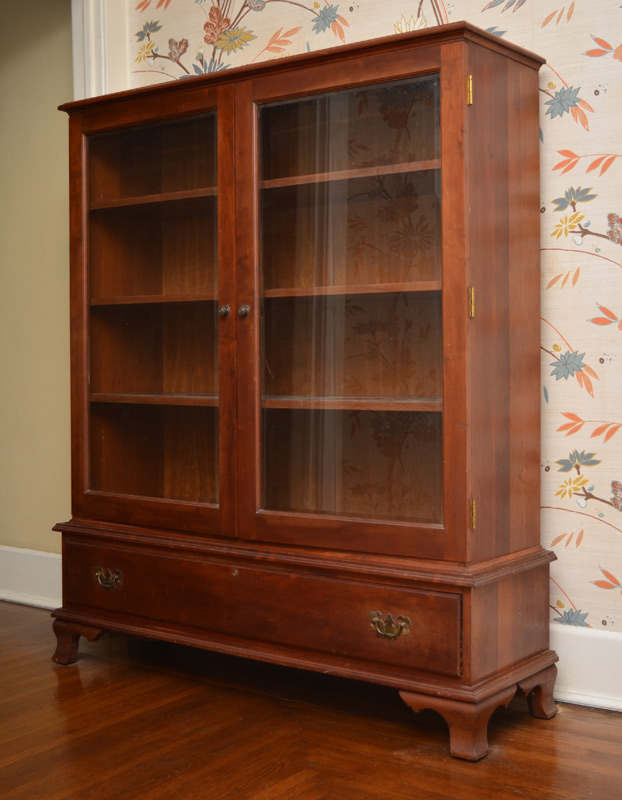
(412, 628)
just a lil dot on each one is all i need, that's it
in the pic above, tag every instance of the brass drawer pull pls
(108, 579)
(389, 628)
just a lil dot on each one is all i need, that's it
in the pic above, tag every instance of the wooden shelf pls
(367, 288)
(351, 174)
(434, 404)
(153, 199)
(156, 399)
(148, 299)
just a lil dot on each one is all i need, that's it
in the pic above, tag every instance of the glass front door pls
(351, 326)
(153, 362)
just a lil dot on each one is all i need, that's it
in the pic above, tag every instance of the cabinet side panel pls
(525, 308)
(509, 622)
(503, 334)
(78, 289)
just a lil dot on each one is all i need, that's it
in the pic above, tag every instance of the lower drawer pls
(412, 628)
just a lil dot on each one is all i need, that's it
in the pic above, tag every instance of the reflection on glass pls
(357, 345)
(355, 463)
(364, 230)
(352, 324)
(372, 126)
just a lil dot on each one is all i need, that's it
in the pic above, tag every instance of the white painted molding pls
(588, 671)
(30, 577)
(101, 47)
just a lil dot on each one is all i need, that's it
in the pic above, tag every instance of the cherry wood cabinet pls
(305, 372)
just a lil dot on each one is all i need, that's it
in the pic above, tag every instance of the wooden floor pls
(137, 719)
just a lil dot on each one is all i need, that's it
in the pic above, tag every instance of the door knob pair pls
(225, 310)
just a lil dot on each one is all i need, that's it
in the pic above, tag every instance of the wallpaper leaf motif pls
(604, 49)
(558, 15)
(609, 429)
(608, 319)
(611, 583)
(513, 4)
(279, 42)
(570, 161)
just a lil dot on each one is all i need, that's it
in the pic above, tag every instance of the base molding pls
(588, 667)
(30, 577)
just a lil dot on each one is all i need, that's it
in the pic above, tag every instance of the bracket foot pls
(538, 689)
(68, 637)
(468, 722)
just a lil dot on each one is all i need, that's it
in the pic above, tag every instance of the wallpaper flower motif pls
(228, 27)
(581, 230)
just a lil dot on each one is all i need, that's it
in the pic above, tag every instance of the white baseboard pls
(588, 671)
(589, 660)
(30, 577)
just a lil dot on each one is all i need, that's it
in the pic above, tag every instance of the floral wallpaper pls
(581, 232)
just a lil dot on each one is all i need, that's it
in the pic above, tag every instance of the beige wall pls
(35, 76)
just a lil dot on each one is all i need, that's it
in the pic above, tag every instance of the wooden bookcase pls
(305, 370)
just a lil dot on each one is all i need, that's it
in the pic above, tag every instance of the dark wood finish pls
(150, 720)
(169, 399)
(354, 289)
(291, 440)
(539, 692)
(504, 268)
(245, 601)
(349, 174)
(468, 722)
(353, 403)
(68, 640)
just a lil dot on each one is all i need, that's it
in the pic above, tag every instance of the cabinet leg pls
(468, 722)
(538, 689)
(68, 637)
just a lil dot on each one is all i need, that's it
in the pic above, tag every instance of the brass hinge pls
(469, 90)
(471, 302)
(473, 514)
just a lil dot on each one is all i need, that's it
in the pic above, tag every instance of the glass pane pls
(153, 358)
(352, 303)
(155, 451)
(153, 159)
(370, 464)
(170, 245)
(370, 126)
(370, 346)
(360, 231)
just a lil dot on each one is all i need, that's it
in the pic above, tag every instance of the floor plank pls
(142, 719)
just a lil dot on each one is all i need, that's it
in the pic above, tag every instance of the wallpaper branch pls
(581, 232)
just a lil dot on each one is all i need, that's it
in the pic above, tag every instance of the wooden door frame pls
(443, 541)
